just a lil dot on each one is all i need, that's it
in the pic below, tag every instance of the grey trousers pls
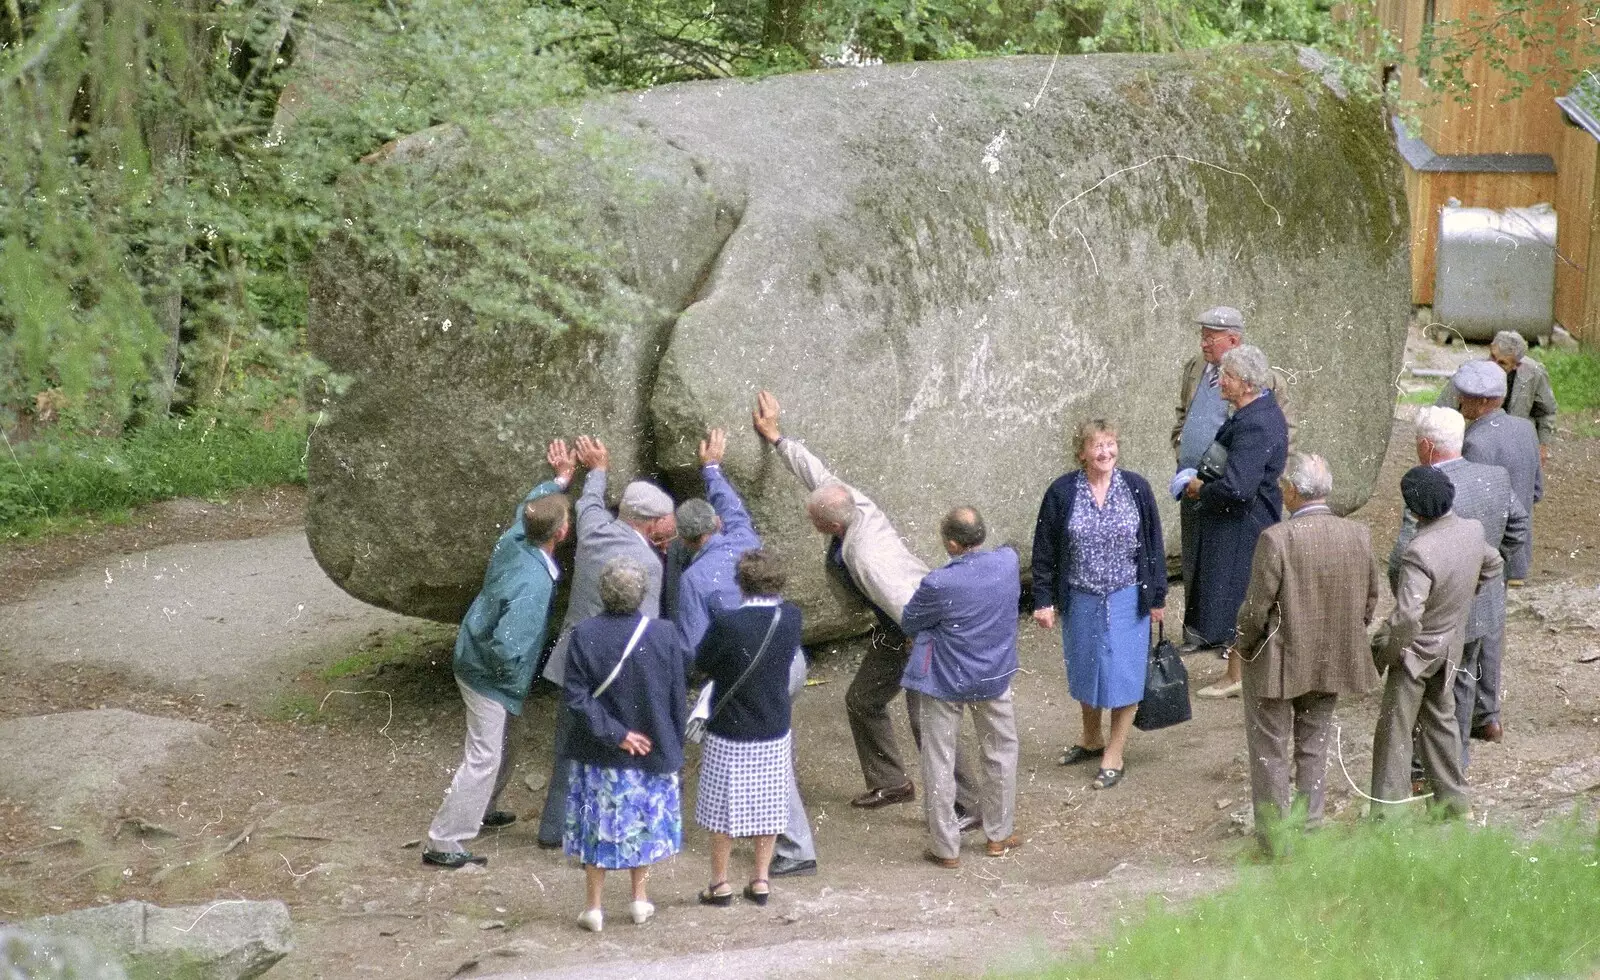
(486, 764)
(1269, 726)
(1486, 655)
(996, 722)
(1430, 704)
(796, 843)
(874, 688)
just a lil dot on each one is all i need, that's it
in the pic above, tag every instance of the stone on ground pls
(227, 939)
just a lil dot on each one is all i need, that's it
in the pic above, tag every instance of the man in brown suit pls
(1302, 641)
(1440, 570)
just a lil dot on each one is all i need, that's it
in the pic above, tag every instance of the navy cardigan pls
(648, 695)
(759, 710)
(1050, 551)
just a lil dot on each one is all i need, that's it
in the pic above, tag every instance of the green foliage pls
(51, 480)
(1410, 900)
(1574, 377)
(1426, 395)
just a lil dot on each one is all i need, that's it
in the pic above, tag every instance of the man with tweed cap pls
(1303, 641)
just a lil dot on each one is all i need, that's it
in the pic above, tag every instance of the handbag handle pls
(777, 614)
(633, 641)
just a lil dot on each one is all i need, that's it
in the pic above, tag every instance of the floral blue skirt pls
(622, 818)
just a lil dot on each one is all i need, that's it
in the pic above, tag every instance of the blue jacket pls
(1050, 545)
(964, 619)
(648, 695)
(503, 632)
(707, 585)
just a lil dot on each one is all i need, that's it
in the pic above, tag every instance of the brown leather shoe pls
(1489, 731)
(998, 848)
(874, 798)
(950, 864)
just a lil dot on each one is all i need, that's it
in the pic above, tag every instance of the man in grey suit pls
(1497, 439)
(1302, 642)
(1443, 561)
(643, 526)
(1528, 392)
(1482, 494)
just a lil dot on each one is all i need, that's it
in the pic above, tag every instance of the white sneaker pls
(592, 919)
(641, 912)
(1221, 689)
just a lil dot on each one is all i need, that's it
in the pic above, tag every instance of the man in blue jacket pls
(714, 533)
(497, 649)
(963, 618)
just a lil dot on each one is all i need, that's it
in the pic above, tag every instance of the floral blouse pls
(1103, 540)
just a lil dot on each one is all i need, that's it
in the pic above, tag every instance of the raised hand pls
(592, 453)
(766, 416)
(561, 460)
(713, 447)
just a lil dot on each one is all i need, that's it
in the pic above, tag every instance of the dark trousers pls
(553, 821)
(874, 688)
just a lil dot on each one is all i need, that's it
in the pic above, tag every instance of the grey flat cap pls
(1480, 379)
(646, 500)
(1222, 318)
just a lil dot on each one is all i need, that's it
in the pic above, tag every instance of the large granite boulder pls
(229, 939)
(940, 269)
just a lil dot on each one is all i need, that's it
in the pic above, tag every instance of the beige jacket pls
(1440, 571)
(1191, 380)
(878, 559)
(1303, 624)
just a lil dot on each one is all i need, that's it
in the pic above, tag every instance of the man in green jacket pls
(497, 649)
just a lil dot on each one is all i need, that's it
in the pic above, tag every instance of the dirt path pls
(321, 793)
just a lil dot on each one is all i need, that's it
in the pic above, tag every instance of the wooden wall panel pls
(1575, 204)
(1428, 193)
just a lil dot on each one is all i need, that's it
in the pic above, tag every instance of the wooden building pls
(1497, 152)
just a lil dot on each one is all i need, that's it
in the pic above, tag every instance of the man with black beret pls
(1440, 568)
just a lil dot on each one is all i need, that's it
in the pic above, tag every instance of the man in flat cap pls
(1482, 494)
(1528, 392)
(1201, 411)
(1443, 562)
(641, 529)
(1497, 439)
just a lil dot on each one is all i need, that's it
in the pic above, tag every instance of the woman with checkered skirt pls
(746, 764)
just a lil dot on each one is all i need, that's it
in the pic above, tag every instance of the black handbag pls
(1213, 463)
(1166, 688)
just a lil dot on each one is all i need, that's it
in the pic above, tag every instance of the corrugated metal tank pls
(1496, 271)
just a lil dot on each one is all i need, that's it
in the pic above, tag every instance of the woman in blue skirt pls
(1099, 565)
(625, 685)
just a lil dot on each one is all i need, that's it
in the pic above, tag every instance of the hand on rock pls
(592, 453)
(713, 447)
(766, 417)
(561, 460)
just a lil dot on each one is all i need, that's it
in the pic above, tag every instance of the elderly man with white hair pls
(868, 559)
(642, 527)
(1303, 642)
(1234, 505)
(1528, 392)
(1482, 494)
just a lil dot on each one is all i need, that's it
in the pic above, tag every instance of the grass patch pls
(1422, 396)
(55, 483)
(291, 707)
(404, 646)
(1408, 900)
(1574, 376)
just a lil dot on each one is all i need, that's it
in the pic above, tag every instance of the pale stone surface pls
(229, 939)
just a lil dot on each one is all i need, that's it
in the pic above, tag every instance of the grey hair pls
(1444, 427)
(1308, 473)
(1248, 364)
(622, 585)
(696, 519)
(832, 503)
(1510, 343)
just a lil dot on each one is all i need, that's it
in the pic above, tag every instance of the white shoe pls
(592, 919)
(641, 912)
(1221, 689)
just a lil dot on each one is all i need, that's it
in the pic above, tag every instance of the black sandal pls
(1078, 753)
(1108, 778)
(714, 895)
(760, 898)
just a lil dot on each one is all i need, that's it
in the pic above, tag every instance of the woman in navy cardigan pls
(625, 684)
(1099, 565)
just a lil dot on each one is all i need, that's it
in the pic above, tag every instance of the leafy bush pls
(1575, 377)
(1408, 900)
(51, 479)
